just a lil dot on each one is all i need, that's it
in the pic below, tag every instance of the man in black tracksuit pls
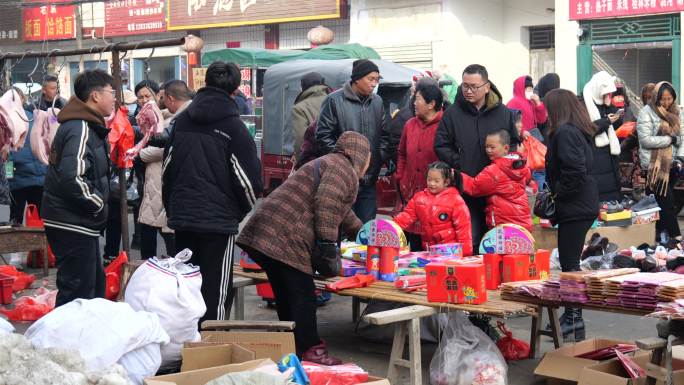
(211, 180)
(461, 135)
(76, 190)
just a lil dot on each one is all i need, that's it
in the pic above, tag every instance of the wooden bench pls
(239, 284)
(407, 320)
(273, 326)
(662, 354)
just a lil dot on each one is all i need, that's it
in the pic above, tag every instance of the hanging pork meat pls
(5, 135)
(45, 126)
(151, 122)
(17, 119)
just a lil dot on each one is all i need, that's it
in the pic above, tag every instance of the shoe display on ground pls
(648, 202)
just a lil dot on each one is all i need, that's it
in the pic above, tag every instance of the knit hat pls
(361, 68)
(311, 79)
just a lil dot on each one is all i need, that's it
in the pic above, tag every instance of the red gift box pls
(524, 267)
(493, 268)
(450, 283)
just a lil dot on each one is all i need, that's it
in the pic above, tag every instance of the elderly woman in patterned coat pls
(306, 213)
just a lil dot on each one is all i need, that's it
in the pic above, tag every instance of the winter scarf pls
(601, 83)
(661, 158)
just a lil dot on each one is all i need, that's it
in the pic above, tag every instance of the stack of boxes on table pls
(508, 255)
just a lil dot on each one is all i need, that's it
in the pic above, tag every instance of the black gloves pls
(326, 260)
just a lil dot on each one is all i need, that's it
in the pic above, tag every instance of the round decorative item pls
(381, 233)
(507, 239)
(192, 44)
(320, 35)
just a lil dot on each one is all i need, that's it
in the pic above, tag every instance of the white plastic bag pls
(102, 331)
(466, 356)
(171, 289)
(139, 363)
(6, 326)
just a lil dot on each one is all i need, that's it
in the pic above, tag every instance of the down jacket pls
(444, 218)
(569, 159)
(648, 124)
(287, 223)
(343, 111)
(503, 183)
(305, 111)
(211, 175)
(533, 115)
(77, 181)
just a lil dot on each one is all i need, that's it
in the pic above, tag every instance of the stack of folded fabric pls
(596, 282)
(672, 290)
(640, 290)
(573, 288)
(551, 290)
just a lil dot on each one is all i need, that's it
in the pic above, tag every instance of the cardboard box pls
(562, 365)
(659, 371)
(624, 237)
(456, 283)
(264, 344)
(493, 268)
(646, 216)
(202, 376)
(201, 356)
(611, 372)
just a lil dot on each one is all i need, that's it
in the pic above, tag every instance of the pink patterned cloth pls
(151, 122)
(16, 118)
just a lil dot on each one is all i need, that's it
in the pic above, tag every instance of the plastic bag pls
(347, 374)
(113, 276)
(512, 349)
(171, 289)
(466, 356)
(32, 308)
(121, 137)
(535, 152)
(598, 262)
(22, 281)
(555, 260)
(5, 326)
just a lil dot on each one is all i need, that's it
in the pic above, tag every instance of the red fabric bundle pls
(354, 282)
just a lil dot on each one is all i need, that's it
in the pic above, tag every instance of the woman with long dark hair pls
(661, 143)
(568, 161)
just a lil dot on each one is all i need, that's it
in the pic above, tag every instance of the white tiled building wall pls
(293, 35)
(251, 36)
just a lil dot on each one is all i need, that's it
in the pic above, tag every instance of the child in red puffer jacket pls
(440, 210)
(503, 182)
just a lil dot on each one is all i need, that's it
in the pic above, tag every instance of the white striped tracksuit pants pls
(213, 253)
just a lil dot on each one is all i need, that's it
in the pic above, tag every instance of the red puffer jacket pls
(503, 183)
(444, 218)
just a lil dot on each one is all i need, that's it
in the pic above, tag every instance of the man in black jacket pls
(76, 190)
(211, 180)
(461, 135)
(355, 107)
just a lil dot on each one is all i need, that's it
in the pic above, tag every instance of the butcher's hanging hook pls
(146, 64)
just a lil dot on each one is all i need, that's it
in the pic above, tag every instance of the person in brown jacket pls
(295, 218)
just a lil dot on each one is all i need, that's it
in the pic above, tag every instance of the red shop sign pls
(50, 22)
(595, 9)
(134, 17)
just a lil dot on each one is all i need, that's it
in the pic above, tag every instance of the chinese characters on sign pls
(53, 22)
(184, 14)
(594, 9)
(131, 17)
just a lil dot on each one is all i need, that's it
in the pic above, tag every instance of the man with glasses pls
(356, 107)
(461, 135)
(76, 188)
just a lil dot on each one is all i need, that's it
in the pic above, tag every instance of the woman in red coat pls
(416, 150)
(440, 210)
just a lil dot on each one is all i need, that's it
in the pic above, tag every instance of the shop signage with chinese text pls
(184, 14)
(49, 22)
(596, 9)
(134, 17)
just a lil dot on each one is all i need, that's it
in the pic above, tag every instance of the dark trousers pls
(295, 300)
(571, 236)
(366, 205)
(22, 196)
(213, 253)
(113, 229)
(668, 215)
(79, 266)
(148, 241)
(478, 225)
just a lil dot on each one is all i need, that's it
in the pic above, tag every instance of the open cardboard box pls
(202, 376)
(612, 373)
(659, 371)
(273, 345)
(201, 357)
(561, 366)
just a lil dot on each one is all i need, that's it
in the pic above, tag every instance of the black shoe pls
(573, 327)
(648, 202)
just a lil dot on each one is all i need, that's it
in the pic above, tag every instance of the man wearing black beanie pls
(355, 107)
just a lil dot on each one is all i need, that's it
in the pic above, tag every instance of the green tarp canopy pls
(263, 58)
